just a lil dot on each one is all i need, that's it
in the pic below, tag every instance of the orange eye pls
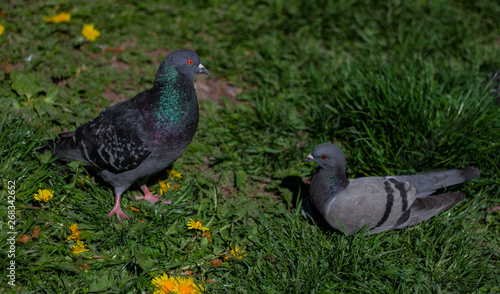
(190, 61)
(324, 157)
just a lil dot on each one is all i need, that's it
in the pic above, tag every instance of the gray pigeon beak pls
(308, 158)
(202, 69)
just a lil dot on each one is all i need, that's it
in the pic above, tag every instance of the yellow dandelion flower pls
(2, 28)
(82, 181)
(90, 33)
(73, 228)
(192, 225)
(188, 286)
(85, 267)
(235, 253)
(208, 235)
(79, 247)
(164, 186)
(216, 262)
(164, 284)
(60, 17)
(75, 233)
(36, 232)
(44, 195)
(134, 209)
(174, 174)
(23, 239)
(75, 236)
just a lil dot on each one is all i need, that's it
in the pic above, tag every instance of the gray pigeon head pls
(186, 62)
(327, 156)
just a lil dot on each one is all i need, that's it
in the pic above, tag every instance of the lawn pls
(401, 86)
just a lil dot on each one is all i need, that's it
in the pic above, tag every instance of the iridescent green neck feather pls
(173, 108)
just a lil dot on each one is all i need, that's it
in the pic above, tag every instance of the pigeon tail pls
(429, 182)
(64, 146)
(51, 145)
(425, 208)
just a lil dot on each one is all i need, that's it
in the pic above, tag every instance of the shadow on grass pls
(301, 190)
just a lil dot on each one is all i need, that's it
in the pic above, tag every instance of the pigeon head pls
(185, 62)
(331, 168)
(327, 156)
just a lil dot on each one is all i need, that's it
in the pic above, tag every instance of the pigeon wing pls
(429, 182)
(425, 208)
(114, 140)
(377, 202)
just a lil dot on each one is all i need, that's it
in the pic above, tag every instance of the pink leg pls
(117, 210)
(149, 197)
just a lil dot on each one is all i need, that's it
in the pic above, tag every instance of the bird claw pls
(118, 212)
(151, 198)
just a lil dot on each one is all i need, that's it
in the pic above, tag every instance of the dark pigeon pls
(379, 203)
(139, 137)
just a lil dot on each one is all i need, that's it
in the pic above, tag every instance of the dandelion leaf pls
(45, 157)
(42, 108)
(143, 260)
(102, 283)
(25, 84)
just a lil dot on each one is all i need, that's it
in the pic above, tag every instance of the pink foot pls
(149, 197)
(117, 210)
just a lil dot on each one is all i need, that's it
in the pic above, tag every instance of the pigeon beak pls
(308, 158)
(202, 69)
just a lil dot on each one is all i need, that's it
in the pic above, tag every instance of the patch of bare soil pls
(113, 97)
(118, 64)
(159, 54)
(214, 89)
(8, 67)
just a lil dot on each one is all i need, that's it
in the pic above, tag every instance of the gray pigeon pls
(380, 203)
(139, 137)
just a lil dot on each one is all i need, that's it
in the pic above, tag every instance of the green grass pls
(399, 85)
